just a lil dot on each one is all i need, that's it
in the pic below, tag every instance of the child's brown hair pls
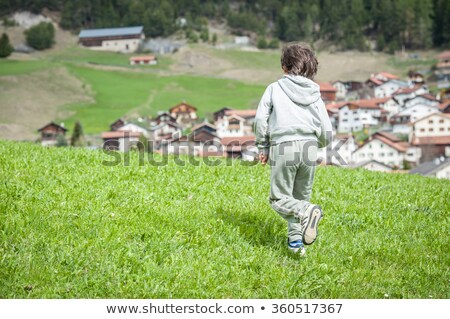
(299, 59)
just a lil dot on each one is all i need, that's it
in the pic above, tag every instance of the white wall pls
(434, 125)
(349, 120)
(380, 152)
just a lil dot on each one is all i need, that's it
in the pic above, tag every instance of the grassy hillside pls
(71, 227)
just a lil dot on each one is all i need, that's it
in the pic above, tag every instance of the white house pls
(347, 118)
(407, 93)
(113, 39)
(131, 127)
(341, 90)
(383, 147)
(435, 124)
(424, 99)
(231, 126)
(344, 145)
(400, 122)
(120, 140)
(388, 88)
(391, 106)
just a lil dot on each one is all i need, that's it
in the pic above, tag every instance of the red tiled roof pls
(242, 113)
(336, 106)
(432, 140)
(388, 75)
(120, 134)
(238, 140)
(428, 97)
(143, 58)
(326, 87)
(399, 146)
(371, 103)
(235, 144)
(376, 81)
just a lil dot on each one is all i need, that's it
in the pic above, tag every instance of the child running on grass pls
(291, 123)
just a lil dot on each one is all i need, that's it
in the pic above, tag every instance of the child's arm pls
(326, 135)
(262, 124)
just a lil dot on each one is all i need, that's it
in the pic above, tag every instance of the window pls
(345, 113)
(430, 129)
(422, 130)
(441, 129)
(441, 121)
(430, 122)
(382, 154)
(355, 112)
(381, 145)
(344, 120)
(391, 154)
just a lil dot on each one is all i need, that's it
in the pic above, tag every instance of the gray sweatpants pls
(291, 180)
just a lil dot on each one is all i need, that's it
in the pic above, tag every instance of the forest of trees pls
(391, 24)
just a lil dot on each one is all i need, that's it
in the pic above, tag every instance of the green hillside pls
(72, 227)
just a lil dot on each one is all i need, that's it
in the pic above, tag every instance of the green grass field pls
(71, 227)
(118, 93)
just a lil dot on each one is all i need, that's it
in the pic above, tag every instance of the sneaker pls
(310, 223)
(296, 246)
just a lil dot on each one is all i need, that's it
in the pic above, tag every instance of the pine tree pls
(77, 139)
(5, 47)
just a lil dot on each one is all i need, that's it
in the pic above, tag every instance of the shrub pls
(41, 36)
(5, 47)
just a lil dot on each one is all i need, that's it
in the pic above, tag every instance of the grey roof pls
(364, 163)
(430, 167)
(110, 32)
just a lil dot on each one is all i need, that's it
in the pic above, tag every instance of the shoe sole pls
(310, 233)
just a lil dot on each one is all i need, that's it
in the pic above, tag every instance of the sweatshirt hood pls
(299, 89)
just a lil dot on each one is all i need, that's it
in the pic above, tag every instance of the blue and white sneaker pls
(297, 246)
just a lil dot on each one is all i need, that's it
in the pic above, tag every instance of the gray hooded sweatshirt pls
(291, 109)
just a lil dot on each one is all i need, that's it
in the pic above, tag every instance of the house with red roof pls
(327, 91)
(143, 60)
(407, 93)
(385, 148)
(401, 121)
(389, 87)
(234, 123)
(423, 99)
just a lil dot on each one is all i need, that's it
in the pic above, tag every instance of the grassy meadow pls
(72, 227)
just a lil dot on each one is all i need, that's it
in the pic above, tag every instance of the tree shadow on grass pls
(258, 230)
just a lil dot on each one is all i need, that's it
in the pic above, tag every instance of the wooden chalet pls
(184, 114)
(51, 132)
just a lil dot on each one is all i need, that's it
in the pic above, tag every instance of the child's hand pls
(263, 158)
